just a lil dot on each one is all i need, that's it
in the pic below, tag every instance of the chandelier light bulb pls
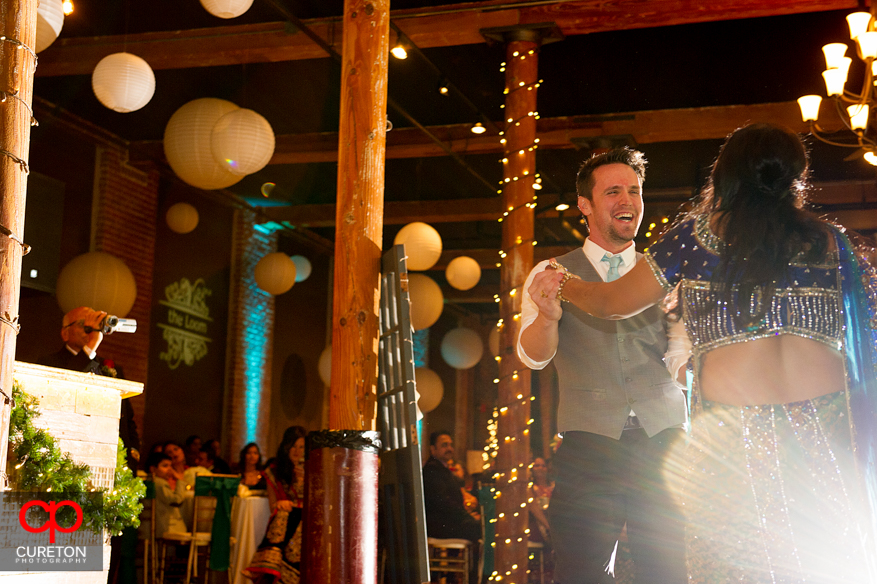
(858, 116)
(867, 44)
(809, 105)
(858, 23)
(870, 158)
(399, 52)
(834, 81)
(834, 52)
(478, 128)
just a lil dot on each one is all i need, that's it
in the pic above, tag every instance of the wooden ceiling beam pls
(458, 24)
(646, 127)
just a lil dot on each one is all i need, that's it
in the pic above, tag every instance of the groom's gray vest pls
(607, 367)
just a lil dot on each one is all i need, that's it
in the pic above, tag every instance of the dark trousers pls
(601, 484)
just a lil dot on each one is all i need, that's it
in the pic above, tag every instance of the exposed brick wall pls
(124, 215)
(250, 338)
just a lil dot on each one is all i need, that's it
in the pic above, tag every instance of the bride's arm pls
(625, 297)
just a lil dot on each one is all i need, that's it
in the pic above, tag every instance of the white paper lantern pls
(226, 8)
(50, 21)
(242, 142)
(98, 280)
(275, 273)
(182, 218)
(324, 365)
(430, 387)
(462, 348)
(423, 245)
(463, 273)
(302, 268)
(187, 143)
(493, 341)
(123, 82)
(427, 301)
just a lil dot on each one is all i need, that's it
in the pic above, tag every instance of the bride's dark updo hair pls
(757, 192)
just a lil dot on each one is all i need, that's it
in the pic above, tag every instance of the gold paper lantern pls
(242, 142)
(324, 366)
(462, 348)
(123, 82)
(98, 280)
(187, 143)
(275, 273)
(302, 268)
(463, 273)
(426, 299)
(430, 387)
(182, 218)
(423, 245)
(50, 21)
(226, 8)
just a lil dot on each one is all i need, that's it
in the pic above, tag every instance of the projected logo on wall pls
(188, 318)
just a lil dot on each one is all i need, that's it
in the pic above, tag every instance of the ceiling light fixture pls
(561, 207)
(856, 105)
(399, 51)
(478, 128)
(443, 87)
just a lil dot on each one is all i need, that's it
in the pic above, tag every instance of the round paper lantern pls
(302, 268)
(97, 280)
(242, 142)
(187, 144)
(493, 341)
(426, 299)
(462, 348)
(423, 245)
(50, 21)
(324, 365)
(275, 273)
(463, 273)
(123, 82)
(226, 8)
(430, 387)
(182, 218)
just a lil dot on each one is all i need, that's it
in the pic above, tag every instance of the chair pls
(441, 561)
(534, 549)
(146, 533)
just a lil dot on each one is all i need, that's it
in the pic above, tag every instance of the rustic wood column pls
(18, 23)
(519, 167)
(341, 518)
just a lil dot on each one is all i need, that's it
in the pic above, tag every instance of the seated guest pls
(220, 466)
(178, 461)
(250, 467)
(193, 447)
(168, 500)
(278, 558)
(446, 515)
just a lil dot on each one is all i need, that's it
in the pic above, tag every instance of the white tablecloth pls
(249, 521)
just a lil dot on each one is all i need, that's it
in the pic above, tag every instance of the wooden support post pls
(342, 531)
(519, 167)
(18, 23)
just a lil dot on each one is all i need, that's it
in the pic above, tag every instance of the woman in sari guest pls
(250, 467)
(278, 558)
(778, 480)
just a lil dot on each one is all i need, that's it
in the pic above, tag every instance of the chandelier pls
(853, 108)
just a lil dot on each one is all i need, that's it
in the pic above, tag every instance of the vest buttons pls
(631, 401)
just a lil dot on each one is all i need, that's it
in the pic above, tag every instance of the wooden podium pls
(81, 411)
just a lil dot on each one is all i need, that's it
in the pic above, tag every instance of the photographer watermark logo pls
(44, 532)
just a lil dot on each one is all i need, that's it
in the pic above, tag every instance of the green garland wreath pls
(37, 465)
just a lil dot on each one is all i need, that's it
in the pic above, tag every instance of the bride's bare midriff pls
(774, 370)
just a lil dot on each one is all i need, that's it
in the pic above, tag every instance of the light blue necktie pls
(614, 262)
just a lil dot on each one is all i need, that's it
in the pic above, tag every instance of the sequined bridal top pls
(806, 303)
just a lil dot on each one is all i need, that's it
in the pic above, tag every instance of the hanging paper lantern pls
(275, 273)
(182, 218)
(50, 21)
(426, 299)
(226, 8)
(302, 268)
(98, 280)
(324, 365)
(493, 341)
(423, 245)
(123, 82)
(463, 273)
(187, 144)
(462, 348)
(430, 387)
(242, 142)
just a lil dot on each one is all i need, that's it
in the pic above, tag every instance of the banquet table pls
(249, 521)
